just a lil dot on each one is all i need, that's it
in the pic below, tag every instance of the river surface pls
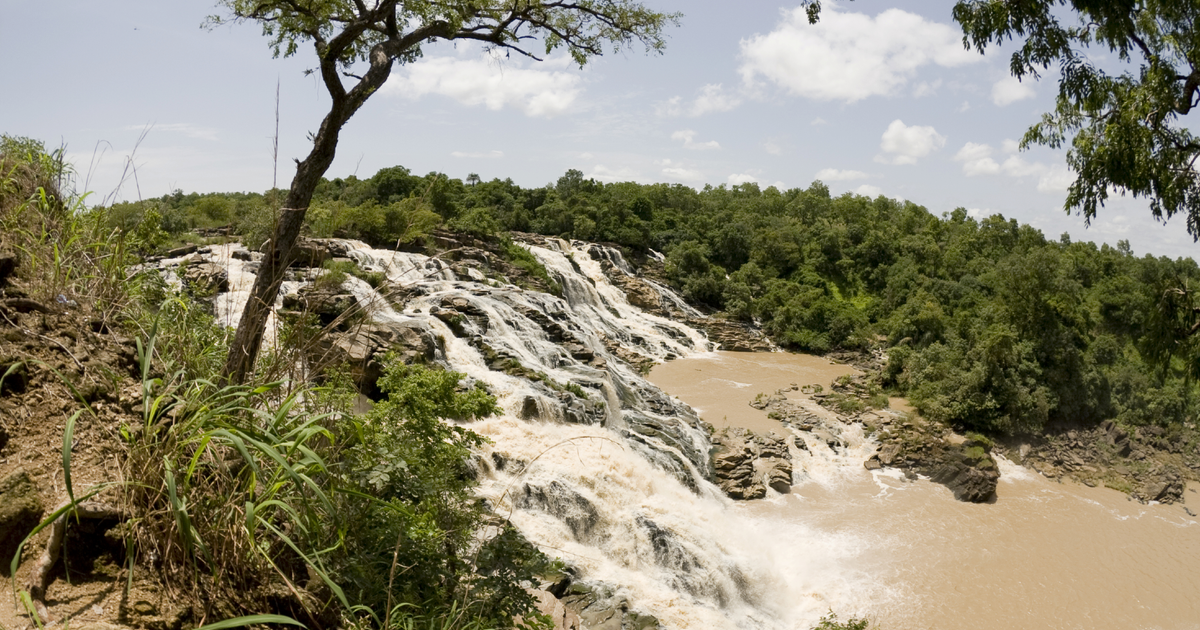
(1043, 555)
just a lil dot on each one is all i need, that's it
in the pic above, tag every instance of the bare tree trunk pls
(248, 337)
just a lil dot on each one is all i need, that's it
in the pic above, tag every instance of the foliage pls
(830, 622)
(67, 253)
(1124, 122)
(367, 520)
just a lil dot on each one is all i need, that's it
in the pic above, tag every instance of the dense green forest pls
(989, 324)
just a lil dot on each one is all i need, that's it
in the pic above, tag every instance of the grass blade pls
(251, 620)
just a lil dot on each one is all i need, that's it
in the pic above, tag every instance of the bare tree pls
(357, 42)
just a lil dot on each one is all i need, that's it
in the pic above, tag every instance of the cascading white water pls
(619, 493)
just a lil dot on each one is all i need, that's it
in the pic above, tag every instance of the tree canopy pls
(1123, 121)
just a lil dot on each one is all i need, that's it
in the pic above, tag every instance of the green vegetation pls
(271, 496)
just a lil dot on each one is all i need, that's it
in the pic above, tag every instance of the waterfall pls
(591, 462)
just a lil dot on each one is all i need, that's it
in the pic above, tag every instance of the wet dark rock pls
(562, 502)
(181, 251)
(242, 254)
(21, 510)
(747, 463)
(206, 278)
(599, 609)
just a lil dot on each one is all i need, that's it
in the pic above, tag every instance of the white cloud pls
(585, 156)
(850, 56)
(187, 129)
(737, 179)
(1010, 90)
(835, 175)
(818, 121)
(683, 174)
(966, 105)
(1015, 166)
(868, 190)
(975, 213)
(1056, 180)
(926, 88)
(477, 154)
(689, 141)
(536, 92)
(606, 174)
(977, 160)
(908, 144)
(770, 146)
(712, 98)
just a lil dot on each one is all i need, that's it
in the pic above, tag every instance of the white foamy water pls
(619, 493)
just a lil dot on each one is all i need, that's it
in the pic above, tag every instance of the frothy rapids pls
(614, 482)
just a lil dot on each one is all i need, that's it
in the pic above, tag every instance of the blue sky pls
(880, 98)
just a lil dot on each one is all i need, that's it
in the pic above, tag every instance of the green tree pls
(357, 43)
(1123, 122)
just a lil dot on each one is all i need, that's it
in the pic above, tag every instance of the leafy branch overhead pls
(1123, 120)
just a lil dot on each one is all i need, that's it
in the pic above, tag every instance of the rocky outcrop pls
(362, 349)
(1144, 461)
(563, 503)
(205, 278)
(329, 304)
(547, 604)
(964, 465)
(599, 608)
(747, 463)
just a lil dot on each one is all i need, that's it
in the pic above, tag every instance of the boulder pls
(599, 609)
(21, 510)
(747, 463)
(562, 617)
(364, 347)
(206, 278)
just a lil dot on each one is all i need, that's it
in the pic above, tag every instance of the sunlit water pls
(1044, 556)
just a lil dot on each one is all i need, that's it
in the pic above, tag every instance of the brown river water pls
(1043, 555)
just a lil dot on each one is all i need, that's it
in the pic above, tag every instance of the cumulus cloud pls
(902, 144)
(683, 174)
(477, 154)
(606, 174)
(689, 141)
(474, 82)
(712, 98)
(1056, 179)
(850, 56)
(1010, 90)
(738, 179)
(868, 190)
(675, 170)
(977, 159)
(835, 175)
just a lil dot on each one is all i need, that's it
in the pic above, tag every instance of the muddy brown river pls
(1043, 555)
